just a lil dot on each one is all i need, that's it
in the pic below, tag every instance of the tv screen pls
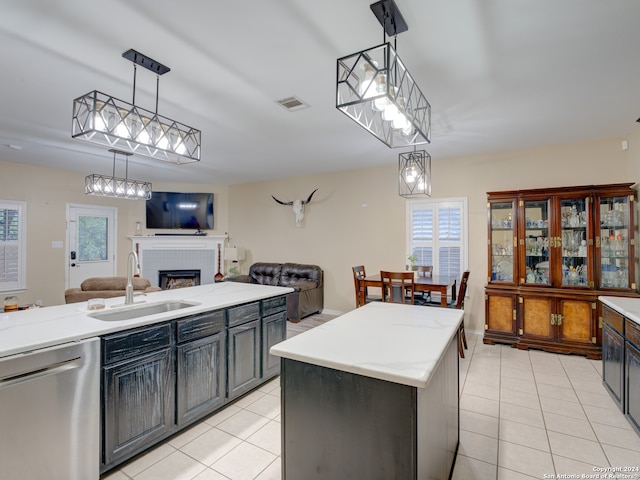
(180, 210)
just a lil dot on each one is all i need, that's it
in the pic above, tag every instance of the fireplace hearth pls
(171, 279)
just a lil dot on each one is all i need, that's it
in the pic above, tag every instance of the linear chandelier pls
(114, 123)
(113, 186)
(375, 89)
(414, 174)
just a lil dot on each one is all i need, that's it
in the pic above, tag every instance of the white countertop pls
(629, 307)
(28, 330)
(398, 343)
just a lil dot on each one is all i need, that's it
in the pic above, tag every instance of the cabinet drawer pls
(613, 318)
(632, 332)
(243, 313)
(131, 343)
(274, 305)
(199, 326)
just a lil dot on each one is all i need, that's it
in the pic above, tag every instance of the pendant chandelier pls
(110, 122)
(414, 174)
(375, 89)
(113, 186)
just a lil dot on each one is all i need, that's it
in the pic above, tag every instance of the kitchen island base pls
(338, 424)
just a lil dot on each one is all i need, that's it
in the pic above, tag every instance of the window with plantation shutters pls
(12, 245)
(436, 234)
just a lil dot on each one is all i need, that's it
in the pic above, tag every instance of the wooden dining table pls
(436, 283)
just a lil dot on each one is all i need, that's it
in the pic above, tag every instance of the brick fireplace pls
(179, 253)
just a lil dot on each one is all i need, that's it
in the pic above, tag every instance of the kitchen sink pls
(126, 312)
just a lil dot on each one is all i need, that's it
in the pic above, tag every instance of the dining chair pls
(397, 287)
(459, 304)
(362, 292)
(423, 297)
(424, 270)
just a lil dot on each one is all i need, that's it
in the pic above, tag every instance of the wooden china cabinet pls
(551, 252)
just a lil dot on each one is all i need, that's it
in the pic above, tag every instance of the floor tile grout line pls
(595, 434)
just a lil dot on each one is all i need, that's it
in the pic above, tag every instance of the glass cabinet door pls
(536, 243)
(574, 241)
(614, 242)
(501, 241)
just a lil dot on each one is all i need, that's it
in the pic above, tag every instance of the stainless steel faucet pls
(132, 264)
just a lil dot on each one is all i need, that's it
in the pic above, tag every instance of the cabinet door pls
(574, 243)
(274, 330)
(576, 321)
(534, 242)
(614, 243)
(243, 358)
(612, 362)
(201, 366)
(632, 360)
(536, 317)
(500, 312)
(138, 404)
(502, 225)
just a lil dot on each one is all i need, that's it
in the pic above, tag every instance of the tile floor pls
(524, 415)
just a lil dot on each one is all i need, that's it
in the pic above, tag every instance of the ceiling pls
(499, 74)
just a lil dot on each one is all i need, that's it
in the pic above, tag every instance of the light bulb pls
(368, 86)
(179, 148)
(122, 130)
(143, 137)
(379, 104)
(400, 122)
(411, 174)
(99, 123)
(163, 143)
(390, 112)
(408, 130)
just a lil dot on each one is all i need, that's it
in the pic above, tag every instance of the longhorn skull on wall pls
(298, 207)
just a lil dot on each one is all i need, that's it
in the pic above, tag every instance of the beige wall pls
(340, 232)
(47, 193)
(356, 217)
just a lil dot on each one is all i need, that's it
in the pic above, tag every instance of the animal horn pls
(309, 199)
(282, 203)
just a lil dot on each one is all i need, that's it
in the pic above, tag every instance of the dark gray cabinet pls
(160, 378)
(243, 361)
(138, 391)
(621, 362)
(200, 365)
(274, 330)
(632, 370)
(613, 354)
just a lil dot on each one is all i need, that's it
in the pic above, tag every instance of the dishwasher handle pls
(45, 371)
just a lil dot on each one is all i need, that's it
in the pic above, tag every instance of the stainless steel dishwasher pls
(50, 412)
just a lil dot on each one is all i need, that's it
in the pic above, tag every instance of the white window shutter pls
(12, 245)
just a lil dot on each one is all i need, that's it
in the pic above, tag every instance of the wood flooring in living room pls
(524, 415)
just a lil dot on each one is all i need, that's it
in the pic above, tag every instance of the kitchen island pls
(155, 367)
(372, 394)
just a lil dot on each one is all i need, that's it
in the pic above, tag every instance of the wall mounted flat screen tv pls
(180, 210)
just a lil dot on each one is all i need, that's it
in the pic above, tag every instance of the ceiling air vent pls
(292, 104)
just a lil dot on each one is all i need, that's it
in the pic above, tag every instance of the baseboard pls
(326, 311)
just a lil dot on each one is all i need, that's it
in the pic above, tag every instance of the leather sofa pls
(106, 287)
(307, 280)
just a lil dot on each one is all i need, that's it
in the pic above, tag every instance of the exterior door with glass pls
(90, 243)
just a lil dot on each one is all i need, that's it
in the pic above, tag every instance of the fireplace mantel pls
(179, 252)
